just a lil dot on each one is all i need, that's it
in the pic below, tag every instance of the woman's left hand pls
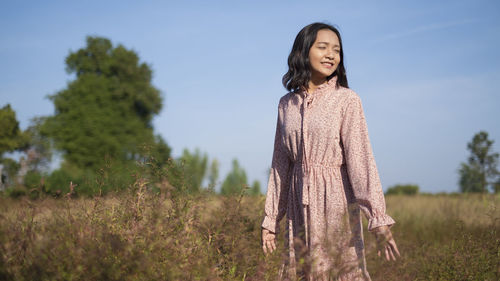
(268, 241)
(386, 243)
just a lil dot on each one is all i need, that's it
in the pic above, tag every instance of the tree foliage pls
(480, 171)
(39, 148)
(403, 189)
(9, 169)
(107, 110)
(11, 137)
(235, 181)
(496, 186)
(255, 188)
(194, 166)
(213, 175)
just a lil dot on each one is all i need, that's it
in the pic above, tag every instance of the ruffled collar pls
(330, 84)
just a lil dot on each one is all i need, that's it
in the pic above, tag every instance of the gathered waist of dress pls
(301, 165)
(306, 171)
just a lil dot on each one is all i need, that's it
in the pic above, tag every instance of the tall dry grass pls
(140, 235)
(144, 235)
(443, 237)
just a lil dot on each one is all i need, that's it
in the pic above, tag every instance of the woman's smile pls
(328, 65)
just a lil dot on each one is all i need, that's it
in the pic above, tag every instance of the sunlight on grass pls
(141, 235)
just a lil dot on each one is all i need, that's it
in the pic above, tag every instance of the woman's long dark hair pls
(299, 67)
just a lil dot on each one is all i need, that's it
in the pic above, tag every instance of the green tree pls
(11, 137)
(496, 186)
(194, 167)
(480, 171)
(255, 189)
(213, 175)
(160, 150)
(39, 147)
(8, 172)
(107, 110)
(235, 181)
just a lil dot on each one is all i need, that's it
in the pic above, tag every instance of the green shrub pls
(10, 167)
(15, 192)
(403, 189)
(32, 179)
(58, 182)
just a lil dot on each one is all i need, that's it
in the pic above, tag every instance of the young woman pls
(323, 172)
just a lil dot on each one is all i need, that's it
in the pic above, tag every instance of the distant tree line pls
(102, 128)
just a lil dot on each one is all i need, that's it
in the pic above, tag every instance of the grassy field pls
(144, 236)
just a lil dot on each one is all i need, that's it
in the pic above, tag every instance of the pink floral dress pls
(323, 173)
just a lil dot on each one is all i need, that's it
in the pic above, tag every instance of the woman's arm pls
(277, 187)
(364, 177)
(361, 166)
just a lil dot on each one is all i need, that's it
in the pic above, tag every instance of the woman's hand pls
(268, 241)
(385, 243)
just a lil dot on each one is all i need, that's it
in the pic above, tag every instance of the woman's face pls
(324, 55)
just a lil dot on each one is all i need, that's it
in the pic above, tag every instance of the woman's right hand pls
(268, 241)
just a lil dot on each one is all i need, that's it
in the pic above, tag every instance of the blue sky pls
(426, 71)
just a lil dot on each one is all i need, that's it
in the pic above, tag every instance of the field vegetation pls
(164, 234)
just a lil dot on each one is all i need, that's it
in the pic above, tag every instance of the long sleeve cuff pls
(270, 224)
(380, 221)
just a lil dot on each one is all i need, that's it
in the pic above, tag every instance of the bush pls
(58, 182)
(32, 179)
(111, 177)
(403, 189)
(10, 168)
(15, 192)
